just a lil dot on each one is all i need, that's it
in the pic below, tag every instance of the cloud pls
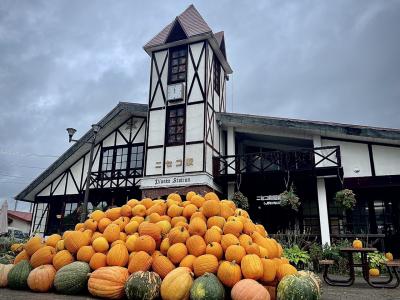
(67, 63)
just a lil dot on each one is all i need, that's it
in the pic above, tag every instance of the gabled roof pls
(191, 22)
(21, 215)
(118, 114)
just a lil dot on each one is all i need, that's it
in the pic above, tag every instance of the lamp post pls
(92, 142)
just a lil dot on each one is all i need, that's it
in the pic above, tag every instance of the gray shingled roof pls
(191, 22)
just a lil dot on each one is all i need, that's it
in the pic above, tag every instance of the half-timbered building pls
(184, 139)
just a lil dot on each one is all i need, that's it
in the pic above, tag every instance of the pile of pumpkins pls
(200, 248)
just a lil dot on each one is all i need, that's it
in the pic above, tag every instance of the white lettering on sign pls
(171, 180)
(270, 199)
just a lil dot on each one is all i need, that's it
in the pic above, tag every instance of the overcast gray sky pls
(68, 63)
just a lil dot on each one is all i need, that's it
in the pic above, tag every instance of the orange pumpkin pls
(117, 256)
(235, 253)
(253, 248)
(147, 202)
(60, 245)
(165, 226)
(175, 196)
(145, 243)
(103, 223)
(164, 246)
(249, 289)
(33, 244)
(177, 252)
(216, 221)
(97, 215)
(52, 240)
(126, 210)
(154, 217)
(97, 261)
(131, 241)
(211, 208)
(162, 265)
(133, 202)
(269, 270)
(100, 244)
(189, 195)
(189, 210)
(226, 210)
(75, 240)
(249, 227)
(176, 220)
(187, 261)
(244, 240)
(140, 261)
(211, 196)
(205, 263)
(197, 200)
(357, 244)
(21, 256)
(139, 210)
(227, 240)
(108, 282)
(196, 245)
(43, 256)
(260, 229)
(113, 213)
(234, 227)
(95, 235)
(198, 214)
(215, 249)
(91, 224)
(251, 267)
(79, 226)
(175, 211)
(85, 253)
(284, 270)
(178, 235)
(229, 273)
(160, 208)
(150, 229)
(213, 235)
(197, 226)
(111, 233)
(41, 278)
(62, 259)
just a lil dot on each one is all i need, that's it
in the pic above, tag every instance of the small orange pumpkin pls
(117, 256)
(187, 261)
(140, 261)
(227, 240)
(162, 265)
(197, 226)
(196, 245)
(211, 208)
(52, 240)
(113, 213)
(85, 253)
(215, 249)
(111, 233)
(62, 259)
(75, 240)
(235, 253)
(251, 267)
(177, 252)
(97, 261)
(145, 243)
(33, 244)
(178, 235)
(103, 223)
(100, 244)
(213, 235)
(229, 273)
(43, 256)
(205, 263)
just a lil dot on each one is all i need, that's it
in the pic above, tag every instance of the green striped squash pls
(143, 286)
(294, 287)
(207, 287)
(72, 279)
(18, 275)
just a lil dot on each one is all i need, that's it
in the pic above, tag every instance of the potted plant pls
(290, 199)
(346, 199)
(240, 200)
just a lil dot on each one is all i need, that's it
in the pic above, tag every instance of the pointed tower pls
(188, 77)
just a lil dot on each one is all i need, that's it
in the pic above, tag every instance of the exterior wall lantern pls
(71, 131)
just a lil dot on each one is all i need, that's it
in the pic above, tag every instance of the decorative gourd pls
(72, 279)
(52, 240)
(75, 240)
(211, 208)
(145, 243)
(374, 272)
(111, 233)
(33, 245)
(178, 235)
(108, 282)
(85, 253)
(187, 261)
(43, 256)
(249, 289)
(269, 270)
(251, 267)
(177, 252)
(207, 287)
(235, 253)
(21, 256)
(284, 270)
(196, 245)
(18, 275)
(389, 256)
(162, 266)
(118, 256)
(4, 269)
(205, 263)
(197, 226)
(97, 261)
(227, 240)
(357, 244)
(297, 287)
(180, 277)
(41, 278)
(100, 244)
(229, 273)
(140, 261)
(215, 249)
(213, 235)
(143, 285)
(62, 259)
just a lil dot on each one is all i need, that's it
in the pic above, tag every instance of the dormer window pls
(177, 65)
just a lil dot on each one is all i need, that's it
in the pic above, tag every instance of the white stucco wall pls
(19, 224)
(386, 160)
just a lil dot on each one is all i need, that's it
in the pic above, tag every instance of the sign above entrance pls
(270, 199)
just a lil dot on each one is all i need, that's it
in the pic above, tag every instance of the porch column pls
(231, 189)
(323, 212)
(230, 149)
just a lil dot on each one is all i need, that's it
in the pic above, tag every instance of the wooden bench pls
(392, 270)
(326, 262)
(393, 263)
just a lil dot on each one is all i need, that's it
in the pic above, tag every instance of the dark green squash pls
(293, 287)
(143, 286)
(72, 279)
(207, 287)
(18, 275)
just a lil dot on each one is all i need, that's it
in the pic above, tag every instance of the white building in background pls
(184, 139)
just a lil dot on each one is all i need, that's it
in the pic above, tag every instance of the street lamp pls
(71, 131)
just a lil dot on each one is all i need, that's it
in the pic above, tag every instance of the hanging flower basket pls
(346, 199)
(240, 200)
(290, 199)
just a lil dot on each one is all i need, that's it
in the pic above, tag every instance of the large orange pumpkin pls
(62, 258)
(75, 240)
(108, 282)
(140, 261)
(251, 266)
(41, 278)
(118, 256)
(205, 263)
(196, 245)
(229, 273)
(33, 244)
(43, 256)
(97, 261)
(249, 289)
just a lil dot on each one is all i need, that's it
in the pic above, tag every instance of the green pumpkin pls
(143, 286)
(312, 276)
(294, 287)
(18, 275)
(72, 279)
(207, 287)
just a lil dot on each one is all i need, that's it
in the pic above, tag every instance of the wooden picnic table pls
(364, 264)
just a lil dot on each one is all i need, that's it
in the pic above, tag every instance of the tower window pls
(177, 65)
(175, 129)
(217, 75)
